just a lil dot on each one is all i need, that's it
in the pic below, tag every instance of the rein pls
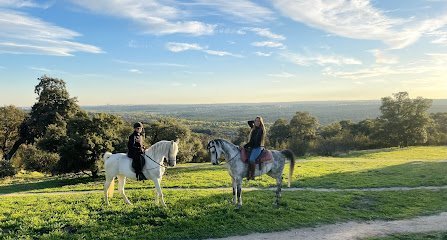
(163, 166)
(154, 161)
(215, 152)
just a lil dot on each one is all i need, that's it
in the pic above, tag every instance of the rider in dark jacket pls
(135, 147)
(255, 143)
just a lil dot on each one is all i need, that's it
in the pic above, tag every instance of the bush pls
(6, 169)
(34, 159)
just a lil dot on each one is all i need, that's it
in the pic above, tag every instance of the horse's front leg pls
(239, 192)
(234, 183)
(159, 192)
(121, 183)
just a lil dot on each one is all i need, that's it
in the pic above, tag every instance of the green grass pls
(198, 214)
(409, 167)
(204, 213)
(414, 236)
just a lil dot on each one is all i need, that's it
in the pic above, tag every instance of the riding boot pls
(140, 176)
(251, 170)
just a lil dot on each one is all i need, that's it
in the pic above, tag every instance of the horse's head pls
(172, 156)
(215, 150)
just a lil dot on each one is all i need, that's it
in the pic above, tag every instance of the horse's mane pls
(223, 142)
(160, 146)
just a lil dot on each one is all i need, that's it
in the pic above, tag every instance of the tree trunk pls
(14, 149)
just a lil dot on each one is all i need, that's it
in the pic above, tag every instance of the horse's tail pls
(106, 156)
(289, 155)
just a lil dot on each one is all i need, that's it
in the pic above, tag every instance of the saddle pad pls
(266, 156)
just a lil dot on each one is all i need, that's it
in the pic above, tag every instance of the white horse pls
(119, 165)
(238, 169)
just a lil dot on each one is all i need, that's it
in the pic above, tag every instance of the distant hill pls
(325, 111)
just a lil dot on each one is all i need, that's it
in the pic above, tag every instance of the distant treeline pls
(57, 136)
(326, 111)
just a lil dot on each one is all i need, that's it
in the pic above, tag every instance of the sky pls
(217, 51)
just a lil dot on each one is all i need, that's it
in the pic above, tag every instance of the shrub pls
(6, 169)
(34, 159)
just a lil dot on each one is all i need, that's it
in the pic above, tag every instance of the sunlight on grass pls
(201, 214)
(360, 169)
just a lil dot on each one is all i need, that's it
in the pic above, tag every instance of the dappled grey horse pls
(120, 165)
(238, 169)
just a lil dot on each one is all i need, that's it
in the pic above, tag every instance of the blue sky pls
(217, 51)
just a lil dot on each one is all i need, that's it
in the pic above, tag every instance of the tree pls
(190, 146)
(279, 133)
(34, 159)
(88, 138)
(53, 105)
(438, 129)
(303, 130)
(331, 130)
(10, 119)
(242, 135)
(404, 120)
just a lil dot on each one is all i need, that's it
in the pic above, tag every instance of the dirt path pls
(356, 230)
(433, 188)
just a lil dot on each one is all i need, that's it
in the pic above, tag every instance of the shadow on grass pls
(405, 175)
(361, 153)
(202, 215)
(45, 184)
(410, 174)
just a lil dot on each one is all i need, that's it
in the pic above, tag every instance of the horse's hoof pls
(238, 207)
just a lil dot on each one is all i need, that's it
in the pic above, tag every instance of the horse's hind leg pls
(159, 192)
(121, 183)
(278, 189)
(107, 185)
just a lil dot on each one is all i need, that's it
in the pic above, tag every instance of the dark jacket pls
(135, 145)
(255, 138)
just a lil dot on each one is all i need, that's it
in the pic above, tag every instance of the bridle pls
(215, 152)
(161, 165)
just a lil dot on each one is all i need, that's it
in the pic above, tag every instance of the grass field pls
(414, 236)
(409, 167)
(202, 213)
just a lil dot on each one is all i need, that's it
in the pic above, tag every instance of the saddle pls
(264, 157)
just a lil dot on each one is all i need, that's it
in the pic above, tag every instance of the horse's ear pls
(177, 140)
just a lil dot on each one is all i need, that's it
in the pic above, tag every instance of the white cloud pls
(282, 75)
(23, 3)
(358, 20)
(181, 47)
(161, 64)
(265, 32)
(40, 69)
(47, 70)
(384, 58)
(221, 53)
(133, 70)
(268, 44)
(440, 37)
(433, 65)
(22, 34)
(263, 54)
(240, 9)
(318, 59)
(153, 17)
